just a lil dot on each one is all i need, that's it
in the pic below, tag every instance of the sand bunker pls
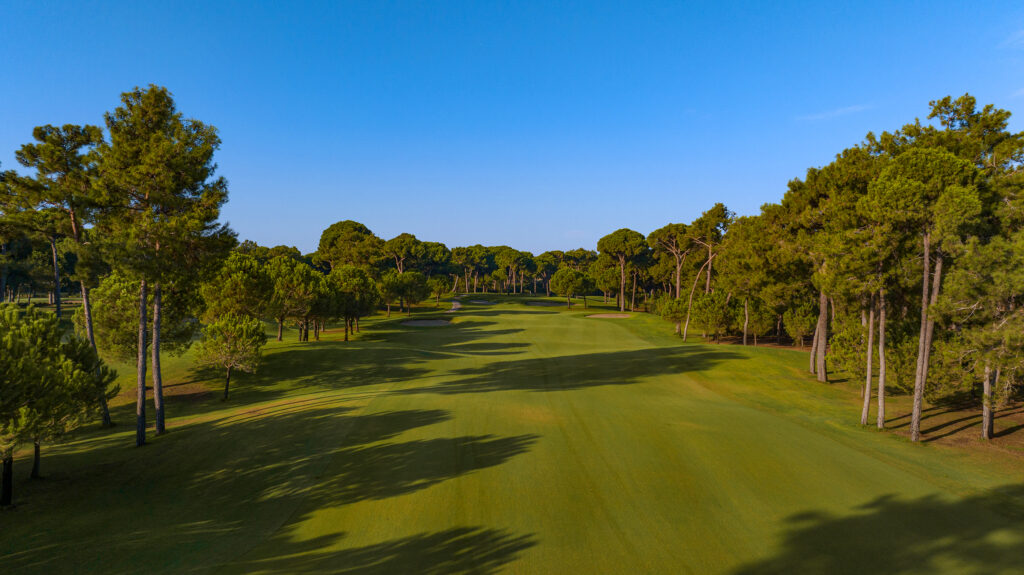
(426, 322)
(545, 303)
(481, 302)
(611, 315)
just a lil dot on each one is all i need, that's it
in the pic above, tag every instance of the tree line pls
(903, 233)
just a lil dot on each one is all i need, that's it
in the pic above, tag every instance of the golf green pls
(516, 439)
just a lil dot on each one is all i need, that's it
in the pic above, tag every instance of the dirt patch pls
(426, 322)
(545, 303)
(610, 315)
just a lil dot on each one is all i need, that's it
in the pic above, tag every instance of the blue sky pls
(541, 125)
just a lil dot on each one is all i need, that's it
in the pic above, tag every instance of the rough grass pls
(516, 439)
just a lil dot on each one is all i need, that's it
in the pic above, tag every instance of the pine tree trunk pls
(632, 298)
(689, 303)
(158, 382)
(930, 328)
(91, 336)
(622, 283)
(280, 330)
(915, 414)
(7, 482)
(746, 319)
(987, 427)
(814, 349)
(866, 410)
(568, 302)
(679, 277)
(227, 383)
(140, 396)
(881, 359)
(35, 460)
(356, 324)
(3, 273)
(821, 367)
(56, 277)
(707, 289)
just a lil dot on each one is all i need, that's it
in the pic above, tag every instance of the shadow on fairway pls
(979, 534)
(484, 312)
(569, 372)
(219, 487)
(476, 550)
(378, 356)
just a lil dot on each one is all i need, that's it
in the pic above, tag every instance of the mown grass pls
(517, 439)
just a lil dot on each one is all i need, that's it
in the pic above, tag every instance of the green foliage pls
(605, 275)
(231, 342)
(115, 316)
(673, 310)
(799, 321)
(242, 286)
(982, 301)
(712, 312)
(569, 282)
(356, 293)
(622, 245)
(349, 243)
(743, 265)
(296, 289)
(162, 198)
(439, 285)
(763, 318)
(848, 346)
(48, 384)
(435, 259)
(390, 287)
(413, 286)
(404, 249)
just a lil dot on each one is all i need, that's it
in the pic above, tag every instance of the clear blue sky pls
(542, 125)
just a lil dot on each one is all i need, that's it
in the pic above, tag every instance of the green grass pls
(517, 439)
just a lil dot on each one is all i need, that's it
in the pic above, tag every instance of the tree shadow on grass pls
(979, 534)
(962, 415)
(461, 550)
(483, 311)
(966, 422)
(363, 465)
(562, 373)
(198, 496)
(385, 357)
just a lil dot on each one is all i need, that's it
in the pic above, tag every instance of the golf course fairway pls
(515, 439)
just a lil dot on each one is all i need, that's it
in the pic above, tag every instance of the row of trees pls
(900, 259)
(131, 212)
